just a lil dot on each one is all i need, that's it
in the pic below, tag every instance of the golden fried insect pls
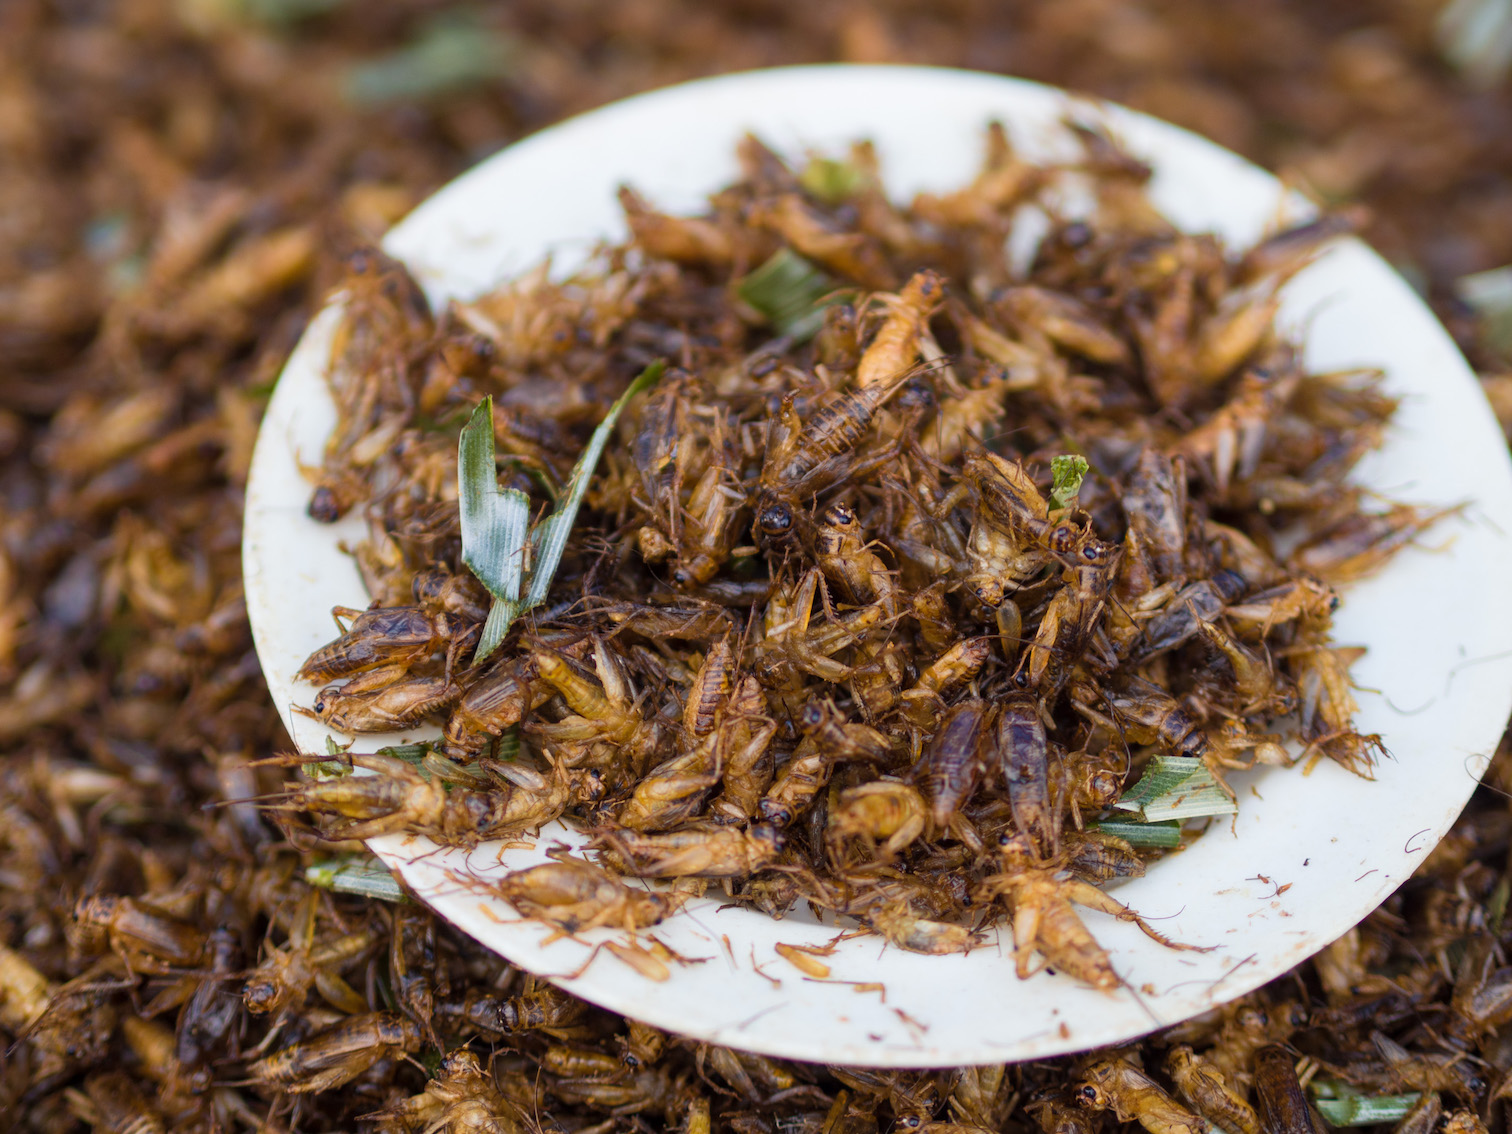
(641, 1045)
(794, 646)
(744, 741)
(391, 638)
(359, 706)
(604, 711)
(843, 555)
(574, 895)
(827, 738)
(905, 929)
(545, 1008)
(399, 798)
(895, 349)
(1119, 1086)
(685, 239)
(1042, 905)
(495, 702)
(675, 790)
(336, 1055)
(696, 852)
(1068, 322)
(716, 513)
(462, 1098)
(1203, 1088)
(1100, 857)
(886, 815)
(287, 972)
(851, 254)
(1360, 544)
(923, 702)
(147, 940)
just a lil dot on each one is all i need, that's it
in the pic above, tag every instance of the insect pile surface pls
(918, 556)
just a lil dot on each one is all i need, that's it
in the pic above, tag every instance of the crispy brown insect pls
(287, 972)
(1018, 752)
(575, 895)
(1202, 1086)
(713, 852)
(336, 1055)
(384, 637)
(1283, 1104)
(952, 766)
(1116, 1085)
(147, 940)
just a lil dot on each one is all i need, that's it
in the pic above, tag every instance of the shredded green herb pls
(450, 53)
(1166, 834)
(789, 292)
(494, 543)
(1067, 473)
(830, 180)
(1176, 787)
(1341, 1105)
(358, 875)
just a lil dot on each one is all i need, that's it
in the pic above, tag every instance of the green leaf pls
(493, 522)
(1490, 294)
(409, 753)
(1496, 905)
(787, 290)
(831, 181)
(500, 617)
(365, 876)
(507, 746)
(449, 53)
(329, 769)
(1067, 473)
(1176, 787)
(1350, 1109)
(1141, 834)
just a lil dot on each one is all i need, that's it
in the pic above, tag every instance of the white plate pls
(1307, 858)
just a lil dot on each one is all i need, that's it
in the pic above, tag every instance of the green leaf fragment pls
(1365, 1110)
(328, 769)
(507, 747)
(500, 617)
(1141, 834)
(449, 53)
(366, 877)
(1496, 905)
(1490, 294)
(1475, 37)
(831, 181)
(1176, 787)
(409, 753)
(1067, 473)
(789, 292)
(494, 521)
(494, 543)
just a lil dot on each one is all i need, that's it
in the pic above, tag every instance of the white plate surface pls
(1307, 858)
